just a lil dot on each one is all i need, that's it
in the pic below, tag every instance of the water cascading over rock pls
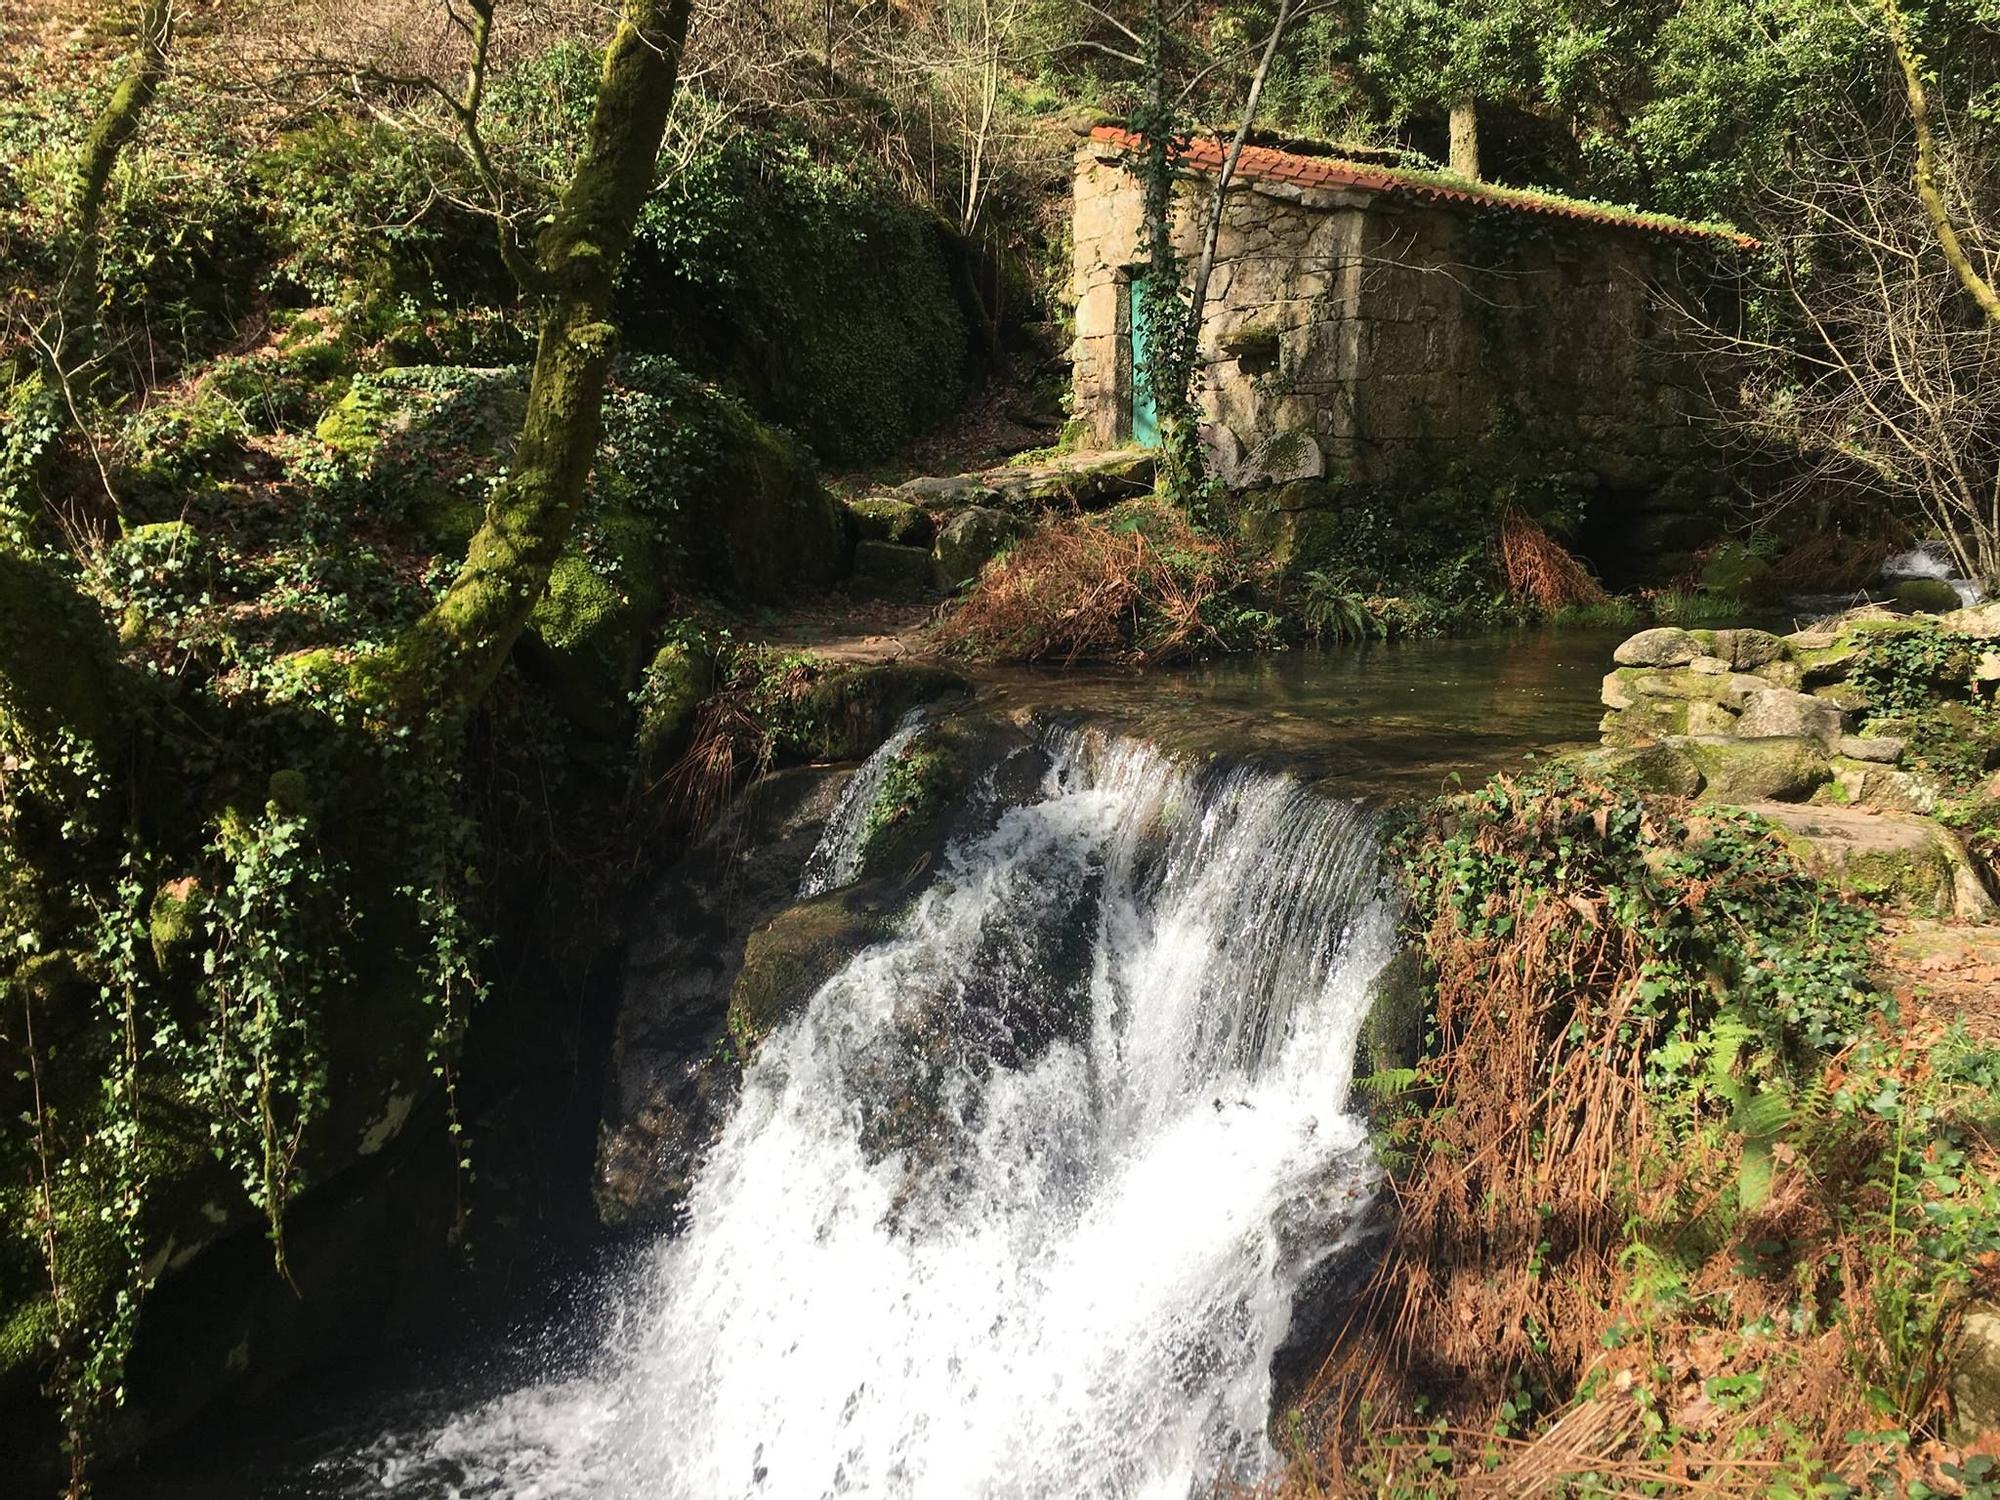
(1019, 1205)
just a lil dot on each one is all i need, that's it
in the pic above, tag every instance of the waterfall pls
(1018, 1206)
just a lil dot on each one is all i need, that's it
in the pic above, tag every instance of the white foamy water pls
(1018, 1205)
(1932, 559)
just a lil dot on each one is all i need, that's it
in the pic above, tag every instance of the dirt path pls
(1949, 969)
(849, 630)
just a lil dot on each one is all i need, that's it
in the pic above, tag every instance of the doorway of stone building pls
(1145, 413)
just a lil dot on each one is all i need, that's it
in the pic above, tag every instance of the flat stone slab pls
(1899, 857)
(1090, 480)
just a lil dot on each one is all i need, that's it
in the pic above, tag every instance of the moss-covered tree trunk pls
(449, 658)
(113, 130)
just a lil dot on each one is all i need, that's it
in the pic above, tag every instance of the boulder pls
(1710, 666)
(947, 492)
(1975, 1371)
(1745, 650)
(1886, 749)
(883, 518)
(1666, 646)
(1900, 858)
(1735, 571)
(848, 713)
(1981, 620)
(788, 958)
(1776, 713)
(677, 679)
(671, 1076)
(1928, 596)
(886, 570)
(1762, 770)
(1869, 784)
(1662, 767)
(973, 538)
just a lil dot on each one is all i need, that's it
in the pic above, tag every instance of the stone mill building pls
(1361, 317)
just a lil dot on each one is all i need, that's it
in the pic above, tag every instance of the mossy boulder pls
(426, 439)
(1929, 596)
(759, 524)
(786, 960)
(680, 675)
(972, 539)
(884, 518)
(1900, 859)
(1760, 770)
(850, 711)
(1663, 646)
(887, 570)
(904, 822)
(586, 636)
(1661, 767)
(1735, 572)
(1392, 1033)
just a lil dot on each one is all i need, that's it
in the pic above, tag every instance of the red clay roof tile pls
(1263, 164)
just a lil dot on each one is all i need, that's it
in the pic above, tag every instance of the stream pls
(1020, 1203)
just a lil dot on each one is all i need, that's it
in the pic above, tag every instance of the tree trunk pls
(1925, 173)
(1198, 300)
(145, 68)
(447, 660)
(1465, 138)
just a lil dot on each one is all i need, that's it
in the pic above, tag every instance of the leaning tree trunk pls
(446, 661)
(145, 68)
(1465, 138)
(1925, 171)
(1218, 199)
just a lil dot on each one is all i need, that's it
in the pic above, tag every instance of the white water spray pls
(1018, 1206)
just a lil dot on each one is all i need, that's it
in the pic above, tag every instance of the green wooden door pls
(1145, 416)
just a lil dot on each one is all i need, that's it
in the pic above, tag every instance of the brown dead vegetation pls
(1539, 570)
(1134, 585)
(1523, 1328)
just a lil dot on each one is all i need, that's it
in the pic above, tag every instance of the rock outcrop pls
(1776, 724)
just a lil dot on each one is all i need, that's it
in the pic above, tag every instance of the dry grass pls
(1129, 586)
(1552, 1233)
(1538, 569)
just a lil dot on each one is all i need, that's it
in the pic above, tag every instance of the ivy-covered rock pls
(680, 675)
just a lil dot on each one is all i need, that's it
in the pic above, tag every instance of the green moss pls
(1737, 573)
(1761, 770)
(1931, 596)
(789, 958)
(916, 787)
(881, 519)
(680, 675)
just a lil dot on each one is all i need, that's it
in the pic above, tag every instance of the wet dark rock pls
(672, 1071)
